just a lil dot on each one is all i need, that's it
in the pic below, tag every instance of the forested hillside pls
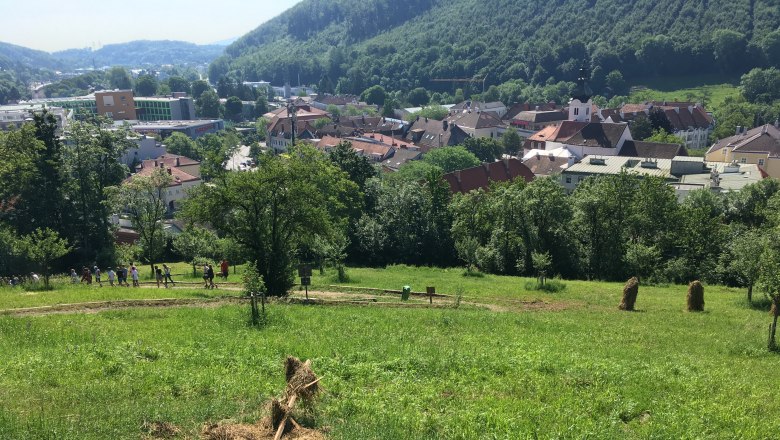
(401, 44)
(140, 53)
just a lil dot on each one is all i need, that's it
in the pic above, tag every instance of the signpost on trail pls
(304, 271)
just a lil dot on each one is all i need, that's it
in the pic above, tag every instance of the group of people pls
(163, 276)
(115, 278)
(17, 280)
(208, 273)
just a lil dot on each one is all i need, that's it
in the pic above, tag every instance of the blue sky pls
(65, 24)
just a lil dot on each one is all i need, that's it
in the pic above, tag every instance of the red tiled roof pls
(467, 180)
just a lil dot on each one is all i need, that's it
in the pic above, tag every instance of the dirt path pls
(316, 297)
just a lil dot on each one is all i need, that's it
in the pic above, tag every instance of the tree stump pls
(630, 292)
(695, 297)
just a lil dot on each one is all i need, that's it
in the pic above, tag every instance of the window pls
(568, 179)
(576, 112)
(587, 111)
(760, 162)
(743, 160)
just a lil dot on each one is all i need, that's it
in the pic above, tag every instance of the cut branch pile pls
(302, 385)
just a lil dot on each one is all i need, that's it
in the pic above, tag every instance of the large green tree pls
(146, 85)
(451, 158)
(272, 211)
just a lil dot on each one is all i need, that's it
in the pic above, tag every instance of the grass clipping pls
(302, 384)
(630, 292)
(695, 297)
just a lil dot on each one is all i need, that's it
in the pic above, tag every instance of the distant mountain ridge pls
(134, 53)
(402, 44)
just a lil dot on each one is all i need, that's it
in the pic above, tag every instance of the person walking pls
(121, 275)
(134, 275)
(74, 277)
(158, 275)
(86, 276)
(211, 277)
(97, 276)
(224, 269)
(111, 276)
(167, 275)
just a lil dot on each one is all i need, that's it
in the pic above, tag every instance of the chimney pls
(739, 129)
(178, 162)
(169, 172)
(444, 125)
(156, 164)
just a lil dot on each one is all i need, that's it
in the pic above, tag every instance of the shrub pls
(695, 297)
(630, 292)
(551, 285)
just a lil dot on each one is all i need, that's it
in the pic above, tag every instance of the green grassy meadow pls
(582, 370)
(711, 89)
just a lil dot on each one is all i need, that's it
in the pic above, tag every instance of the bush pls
(473, 274)
(550, 286)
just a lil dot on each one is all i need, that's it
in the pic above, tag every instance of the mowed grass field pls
(574, 367)
(714, 89)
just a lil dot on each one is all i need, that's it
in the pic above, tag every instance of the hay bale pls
(630, 292)
(695, 297)
(301, 380)
(278, 413)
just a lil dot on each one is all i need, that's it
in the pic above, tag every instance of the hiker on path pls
(224, 268)
(206, 276)
(134, 275)
(86, 276)
(74, 277)
(97, 276)
(211, 277)
(121, 275)
(158, 275)
(167, 275)
(111, 276)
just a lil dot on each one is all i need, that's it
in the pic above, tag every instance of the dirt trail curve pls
(317, 298)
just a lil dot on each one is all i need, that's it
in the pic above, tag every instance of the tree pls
(435, 112)
(730, 49)
(662, 136)
(486, 149)
(770, 46)
(745, 252)
(43, 247)
(254, 287)
(198, 87)
(233, 108)
(271, 211)
(451, 158)
(181, 144)
(261, 127)
(358, 168)
(208, 104)
(374, 95)
(261, 106)
(761, 85)
(389, 106)
(641, 128)
(118, 78)
(542, 262)
(769, 281)
(92, 163)
(179, 84)
(142, 199)
(467, 248)
(512, 142)
(615, 83)
(658, 120)
(146, 85)
(418, 97)
(194, 244)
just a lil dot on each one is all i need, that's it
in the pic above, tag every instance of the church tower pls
(581, 104)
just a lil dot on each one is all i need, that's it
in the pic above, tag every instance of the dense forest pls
(348, 45)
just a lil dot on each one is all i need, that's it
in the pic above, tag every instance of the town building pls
(684, 173)
(759, 146)
(477, 123)
(184, 172)
(14, 116)
(376, 147)
(192, 129)
(480, 177)
(118, 105)
(689, 120)
(496, 107)
(177, 107)
(430, 133)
